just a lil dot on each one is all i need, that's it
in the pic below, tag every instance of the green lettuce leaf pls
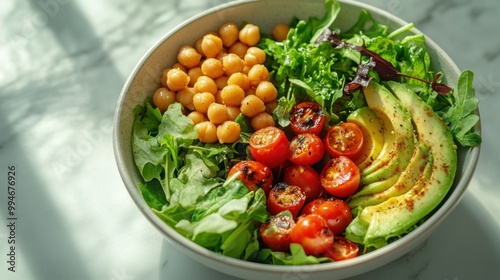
(366, 25)
(296, 256)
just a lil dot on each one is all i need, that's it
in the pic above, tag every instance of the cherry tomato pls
(335, 212)
(275, 233)
(306, 178)
(307, 117)
(340, 177)
(311, 231)
(306, 149)
(342, 249)
(254, 175)
(285, 197)
(344, 139)
(269, 146)
(310, 206)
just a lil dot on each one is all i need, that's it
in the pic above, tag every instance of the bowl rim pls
(397, 247)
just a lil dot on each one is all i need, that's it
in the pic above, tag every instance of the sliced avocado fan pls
(374, 225)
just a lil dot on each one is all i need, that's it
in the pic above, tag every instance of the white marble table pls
(62, 65)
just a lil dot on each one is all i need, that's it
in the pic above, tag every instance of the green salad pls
(357, 75)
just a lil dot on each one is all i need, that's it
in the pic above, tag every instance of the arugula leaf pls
(153, 194)
(332, 10)
(303, 71)
(462, 116)
(282, 111)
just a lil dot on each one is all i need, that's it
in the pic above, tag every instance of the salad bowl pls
(144, 80)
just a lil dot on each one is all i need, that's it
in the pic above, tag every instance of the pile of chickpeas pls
(218, 78)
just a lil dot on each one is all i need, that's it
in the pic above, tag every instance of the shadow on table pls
(45, 241)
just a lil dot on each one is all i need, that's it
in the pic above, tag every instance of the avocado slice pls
(376, 187)
(373, 135)
(413, 174)
(398, 131)
(375, 225)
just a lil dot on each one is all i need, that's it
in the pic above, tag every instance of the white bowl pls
(266, 13)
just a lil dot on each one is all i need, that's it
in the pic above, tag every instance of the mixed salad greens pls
(186, 181)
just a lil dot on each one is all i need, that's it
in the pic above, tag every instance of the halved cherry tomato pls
(285, 197)
(310, 206)
(335, 212)
(307, 117)
(340, 177)
(311, 231)
(275, 233)
(342, 249)
(344, 139)
(254, 175)
(306, 149)
(269, 146)
(306, 178)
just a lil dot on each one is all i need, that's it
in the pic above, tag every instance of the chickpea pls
(197, 45)
(205, 84)
(232, 63)
(163, 79)
(211, 45)
(270, 106)
(202, 100)
(262, 120)
(162, 98)
(250, 34)
(179, 66)
(246, 69)
(229, 33)
(194, 73)
(213, 33)
(228, 132)
(196, 117)
(177, 79)
(239, 48)
(188, 56)
(266, 91)
(222, 54)
(217, 113)
(233, 112)
(185, 97)
(239, 79)
(207, 132)
(218, 98)
(201, 62)
(258, 73)
(280, 32)
(221, 82)
(232, 95)
(250, 91)
(254, 56)
(212, 67)
(251, 105)
(250, 60)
